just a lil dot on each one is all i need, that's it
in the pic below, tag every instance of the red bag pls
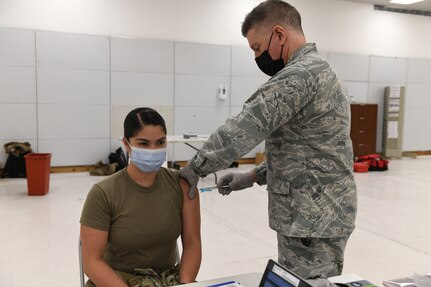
(360, 167)
(375, 162)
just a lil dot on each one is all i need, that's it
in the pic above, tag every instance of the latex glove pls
(234, 181)
(188, 173)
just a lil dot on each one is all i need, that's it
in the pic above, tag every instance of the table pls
(181, 139)
(253, 280)
(186, 141)
(247, 280)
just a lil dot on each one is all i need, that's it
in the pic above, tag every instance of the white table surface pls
(246, 280)
(345, 278)
(253, 280)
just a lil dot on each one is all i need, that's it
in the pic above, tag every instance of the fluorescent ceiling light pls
(405, 1)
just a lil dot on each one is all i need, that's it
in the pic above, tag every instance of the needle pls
(210, 188)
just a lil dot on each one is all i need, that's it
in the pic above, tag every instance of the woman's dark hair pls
(140, 117)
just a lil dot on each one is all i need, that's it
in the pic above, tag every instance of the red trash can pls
(37, 166)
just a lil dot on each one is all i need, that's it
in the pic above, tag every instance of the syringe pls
(210, 188)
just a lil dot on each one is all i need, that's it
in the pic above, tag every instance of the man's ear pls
(279, 32)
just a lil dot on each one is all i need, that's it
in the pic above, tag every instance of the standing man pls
(303, 115)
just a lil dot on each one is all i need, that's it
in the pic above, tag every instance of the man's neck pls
(296, 42)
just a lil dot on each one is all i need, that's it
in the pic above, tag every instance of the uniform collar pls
(302, 51)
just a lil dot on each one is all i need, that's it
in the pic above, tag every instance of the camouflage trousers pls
(148, 278)
(312, 257)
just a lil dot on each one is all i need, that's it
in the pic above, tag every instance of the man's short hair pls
(270, 13)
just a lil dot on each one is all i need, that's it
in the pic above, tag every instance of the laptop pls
(276, 275)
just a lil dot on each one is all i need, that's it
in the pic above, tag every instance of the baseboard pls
(417, 153)
(66, 169)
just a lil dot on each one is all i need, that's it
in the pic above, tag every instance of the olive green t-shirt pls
(144, 223)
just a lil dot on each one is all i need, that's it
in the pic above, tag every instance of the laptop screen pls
(278, 276)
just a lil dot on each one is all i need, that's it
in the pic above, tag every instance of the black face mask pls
(267, 65)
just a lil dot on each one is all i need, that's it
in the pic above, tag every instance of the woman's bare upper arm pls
(93, 242)
(190, 212)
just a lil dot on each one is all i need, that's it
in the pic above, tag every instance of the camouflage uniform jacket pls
(303, 114)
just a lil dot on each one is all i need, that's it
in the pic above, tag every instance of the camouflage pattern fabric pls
(303, 114)
(17, 148)
(312, 258)
(148, 278)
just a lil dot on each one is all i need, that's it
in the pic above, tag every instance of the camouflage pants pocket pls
(145, 278)
(148, 278)
(171, 276)
(312, 257)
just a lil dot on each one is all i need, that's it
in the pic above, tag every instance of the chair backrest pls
(81, 270)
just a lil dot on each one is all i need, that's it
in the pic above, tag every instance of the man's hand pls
(188, 173)
(235, 181)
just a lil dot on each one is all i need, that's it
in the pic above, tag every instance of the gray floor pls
(39, 235)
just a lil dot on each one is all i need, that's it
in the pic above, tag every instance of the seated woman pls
(131, 220)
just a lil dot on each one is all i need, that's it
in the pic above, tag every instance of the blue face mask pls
(148, 160)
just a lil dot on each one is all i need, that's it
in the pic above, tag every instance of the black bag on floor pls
(118, 157)
(15, 166)
(15, 163)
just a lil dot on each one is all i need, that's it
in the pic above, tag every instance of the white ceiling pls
(421, 6)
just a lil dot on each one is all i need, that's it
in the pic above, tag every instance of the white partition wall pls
(350, 67)
(200, 71)
(246, 76)
(68, 94)
(366, 77)
(73, 97)
(417, 130)
(353, 69)
(142, 75)
(18, 115)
